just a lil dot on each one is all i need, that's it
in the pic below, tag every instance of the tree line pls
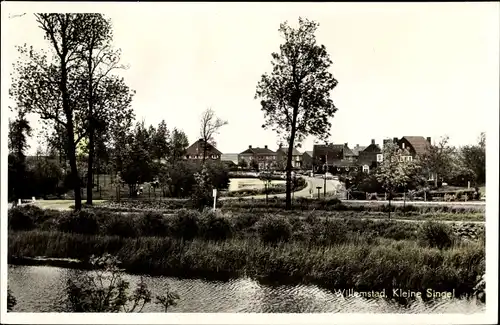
(88, 118)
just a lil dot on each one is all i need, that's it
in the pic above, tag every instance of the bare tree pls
(210, 125)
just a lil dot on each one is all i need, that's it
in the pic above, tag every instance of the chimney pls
(373, 141)
(395, 140)
(281, 145)
(265, 147)
(357, 145)
(429, 139)
(345, 144)
(250, 147)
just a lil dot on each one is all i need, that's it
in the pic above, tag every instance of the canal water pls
(42, 289)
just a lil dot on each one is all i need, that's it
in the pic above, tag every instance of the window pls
(403, 145)
(366, 169)
(187, 156)
(380, 157)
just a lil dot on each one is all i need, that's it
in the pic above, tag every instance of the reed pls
(382, 264)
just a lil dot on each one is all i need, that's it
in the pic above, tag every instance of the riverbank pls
(386, 264)
(333, 253)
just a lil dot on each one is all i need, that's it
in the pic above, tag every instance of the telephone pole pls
(324, 176)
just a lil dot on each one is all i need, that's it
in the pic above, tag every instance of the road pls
(312, 184)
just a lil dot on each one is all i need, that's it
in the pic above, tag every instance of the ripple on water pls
(42, 289)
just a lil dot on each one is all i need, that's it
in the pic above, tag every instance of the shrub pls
(437, 234)
(11, 300)
(21, 218)
(119, 225)
(185, 224)
(214, 226)
(274, 229)
(81, 222)
(330, 232)
(245, 221)
(153, 224)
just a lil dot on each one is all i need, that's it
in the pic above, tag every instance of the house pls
(282, 154)
(264, 158)
(369, 157)
(307, 160)
(334, 158)
(357, 149)
(416, 145)
(195, 152)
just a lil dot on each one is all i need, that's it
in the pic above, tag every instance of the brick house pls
(264, 157)
(334, 158)
(281, 156)
(195, 152)
(369, 157)
(307, 160)
(356, 150)
(417, 146)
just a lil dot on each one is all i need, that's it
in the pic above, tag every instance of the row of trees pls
(87, 114)
(71, 88)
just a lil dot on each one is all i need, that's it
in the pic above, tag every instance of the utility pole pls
(324, 180)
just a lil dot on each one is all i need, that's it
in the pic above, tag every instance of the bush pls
(245, 221)
(214, 226)
(23, 218)
(11, 300)
(80, 222)
(185, 224)
(436, 234)
(274, 229)
(330, 232)
(153, 224)
(119, 225)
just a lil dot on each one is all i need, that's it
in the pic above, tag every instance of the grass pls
(308, 247)
(305, 226)
(380, 265)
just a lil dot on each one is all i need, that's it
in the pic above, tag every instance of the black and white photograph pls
(249, 163)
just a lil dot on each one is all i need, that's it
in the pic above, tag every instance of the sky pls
(405, 69)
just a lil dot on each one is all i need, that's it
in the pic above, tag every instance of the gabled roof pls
(357, 149)
(295, 152)
(372, 148)
(419, 144)
(331, 151)
(197, 149)
(258, 151)
(347, 151)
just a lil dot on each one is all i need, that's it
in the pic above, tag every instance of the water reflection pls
(42, 289)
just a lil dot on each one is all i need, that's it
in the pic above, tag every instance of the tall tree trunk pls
(70, 129)
(288, 199)
(90, 164)
(91, 145)
(204, 151)
(73, 167)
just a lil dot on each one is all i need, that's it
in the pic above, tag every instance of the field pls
(333, 249)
